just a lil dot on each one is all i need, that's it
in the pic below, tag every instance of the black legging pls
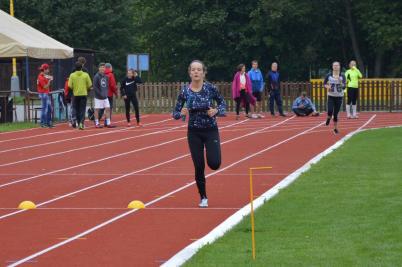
(302, 111)
(197, 140)
(132, 99)
(244, 97)
(353, 95)
(334, 105)
(80, 104)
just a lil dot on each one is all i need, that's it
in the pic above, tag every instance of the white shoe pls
(203, 203)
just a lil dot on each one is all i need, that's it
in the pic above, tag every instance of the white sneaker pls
(203, 203)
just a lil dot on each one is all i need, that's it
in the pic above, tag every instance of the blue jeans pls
(275, 96)
(46, 114)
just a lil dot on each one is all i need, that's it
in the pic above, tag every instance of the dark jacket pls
(273, 80)
(100, 85)
(128, 86)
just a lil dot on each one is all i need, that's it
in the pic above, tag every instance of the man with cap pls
(43, 86)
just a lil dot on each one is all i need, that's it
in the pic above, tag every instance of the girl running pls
(202, 127)
(335, 83)
(352, 78)
(241, 89)
(128, 90)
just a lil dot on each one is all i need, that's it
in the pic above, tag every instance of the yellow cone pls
(27, 205)
(136, 204)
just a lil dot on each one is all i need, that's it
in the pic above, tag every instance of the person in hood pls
(128, 90)
(112, 88)
(80, 83)
(43, 86)
(101, 87)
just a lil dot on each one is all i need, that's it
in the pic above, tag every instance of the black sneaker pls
(327, 121)
(74, 124)
(50, 126)
(43, 126)
(336, 131)
(282, 114)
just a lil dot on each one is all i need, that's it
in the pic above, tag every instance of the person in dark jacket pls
(274, 89)
(101, 87)
(128, 90)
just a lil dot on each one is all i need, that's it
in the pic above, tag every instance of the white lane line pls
(148, 174)
(46, 134)
(109, 180)
(117, 208)
(93, 229)
(78, 137)
(87, 147)
(142, 170)
(185, 254)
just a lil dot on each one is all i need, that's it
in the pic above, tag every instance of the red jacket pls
(41, 82)
(112, 83)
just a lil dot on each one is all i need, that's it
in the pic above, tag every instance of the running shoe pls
(128, 124)
(203, 203)
(327, 121)
(336, 131)
(139, 124)
(50, 126)
(99, 126)
(111, 126)
(81, 126)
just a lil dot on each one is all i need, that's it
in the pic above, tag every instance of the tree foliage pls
(304, 36)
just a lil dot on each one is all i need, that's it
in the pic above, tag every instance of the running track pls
(83, 180)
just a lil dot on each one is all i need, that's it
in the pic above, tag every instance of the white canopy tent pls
(18, 39)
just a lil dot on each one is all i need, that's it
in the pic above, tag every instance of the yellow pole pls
(14, 59)
(252, 207)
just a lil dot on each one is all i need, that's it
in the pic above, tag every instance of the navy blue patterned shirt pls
(198, 103)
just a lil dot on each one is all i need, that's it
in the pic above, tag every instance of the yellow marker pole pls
(252, 206)
(14, 60)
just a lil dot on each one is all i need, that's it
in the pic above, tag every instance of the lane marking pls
(77, 137)
(93, 229)
(87, 147)
(113, 179)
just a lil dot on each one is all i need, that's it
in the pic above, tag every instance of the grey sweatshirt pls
(101, 82)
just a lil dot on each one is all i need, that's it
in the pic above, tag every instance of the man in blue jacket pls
(274, 89)
(257, 83)
(303, 106)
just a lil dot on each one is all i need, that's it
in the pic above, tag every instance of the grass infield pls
(345, 211)
(8, 127)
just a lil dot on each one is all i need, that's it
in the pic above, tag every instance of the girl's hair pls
(240, 66)
(131, 70)
(204, 68)
(332, 66)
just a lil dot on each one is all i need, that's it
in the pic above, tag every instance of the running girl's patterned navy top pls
(198, 103)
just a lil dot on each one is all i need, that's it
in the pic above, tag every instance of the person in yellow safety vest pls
(352, 83)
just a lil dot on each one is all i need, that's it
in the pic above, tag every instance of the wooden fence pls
(374, 95)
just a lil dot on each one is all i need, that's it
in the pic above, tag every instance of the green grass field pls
(7, 127)
(345, 211)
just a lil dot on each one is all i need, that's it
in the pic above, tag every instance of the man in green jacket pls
(80, 83)
(352, 82)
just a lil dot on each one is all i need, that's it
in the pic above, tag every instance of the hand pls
(328, 86)
(135, 74)
(301, 106)
(212, 112)
(125, 97)
(184, 112)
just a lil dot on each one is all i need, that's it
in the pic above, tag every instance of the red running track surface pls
(82, 179)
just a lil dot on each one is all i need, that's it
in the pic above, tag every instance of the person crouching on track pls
(303, 106)
(202, 126)
(128, 90)
(80, 83)
(101, 82)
